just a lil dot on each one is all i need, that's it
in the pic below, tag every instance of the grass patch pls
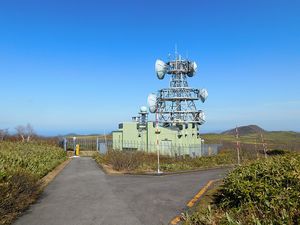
(22, 165)
(201, 213)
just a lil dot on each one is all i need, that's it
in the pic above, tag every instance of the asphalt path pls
(83, 195)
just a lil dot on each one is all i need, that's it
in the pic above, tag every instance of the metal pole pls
(147, 138)
(65, 144)
(97, 144)
(237, 145)
(202, 147)
(105, 139)
(264, 145)
(256, 148)
(157, 146)
(74, 144)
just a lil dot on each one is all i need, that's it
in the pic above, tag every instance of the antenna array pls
(176, 104)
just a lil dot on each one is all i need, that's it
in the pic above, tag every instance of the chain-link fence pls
(86, 144)
(164, 147)
(167, 148)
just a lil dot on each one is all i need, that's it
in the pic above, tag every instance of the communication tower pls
(178, 117)
(176, 105)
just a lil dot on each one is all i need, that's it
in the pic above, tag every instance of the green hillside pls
(287, 140)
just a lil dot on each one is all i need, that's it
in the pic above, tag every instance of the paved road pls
(83, 195)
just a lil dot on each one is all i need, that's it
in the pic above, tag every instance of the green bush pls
(276, 152)
(21, 166)
(266, 191)
(37, 159)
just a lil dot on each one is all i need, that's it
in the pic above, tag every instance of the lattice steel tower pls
(177, 104)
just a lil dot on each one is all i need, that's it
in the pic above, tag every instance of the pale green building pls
(179, 140)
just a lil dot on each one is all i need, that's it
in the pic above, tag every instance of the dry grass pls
(141, 162)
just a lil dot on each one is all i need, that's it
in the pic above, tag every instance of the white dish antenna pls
(202, 117)
(152, 102)
(203, 94)
(192, 69)
(160, 69)
(143, 109)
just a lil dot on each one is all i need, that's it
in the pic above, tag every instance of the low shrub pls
(266, 191)
(125, 160)
(21, 166)
(17, 192)
(276, 152)
(141, 161)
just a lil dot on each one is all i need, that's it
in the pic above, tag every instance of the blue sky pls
(84, 66)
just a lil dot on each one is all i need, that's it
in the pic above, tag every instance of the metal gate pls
(86, 143)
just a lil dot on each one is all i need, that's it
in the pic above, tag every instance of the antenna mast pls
(176, 105)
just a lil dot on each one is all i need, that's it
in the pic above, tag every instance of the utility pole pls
(237, 145)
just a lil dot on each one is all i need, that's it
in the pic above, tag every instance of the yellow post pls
(77, 150)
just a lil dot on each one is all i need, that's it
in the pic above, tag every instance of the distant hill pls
(245, 130)
(71, 135)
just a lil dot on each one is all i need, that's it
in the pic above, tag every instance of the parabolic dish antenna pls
(143, 109)
(152, 102)
(192, 69)
(203, 94)
(160, 69)
(202, 117)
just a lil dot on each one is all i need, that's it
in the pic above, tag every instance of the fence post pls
(97, 144)
(202, 150)
(65, 144)
(74, 144)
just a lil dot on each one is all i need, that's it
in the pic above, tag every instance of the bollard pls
(77, 150)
